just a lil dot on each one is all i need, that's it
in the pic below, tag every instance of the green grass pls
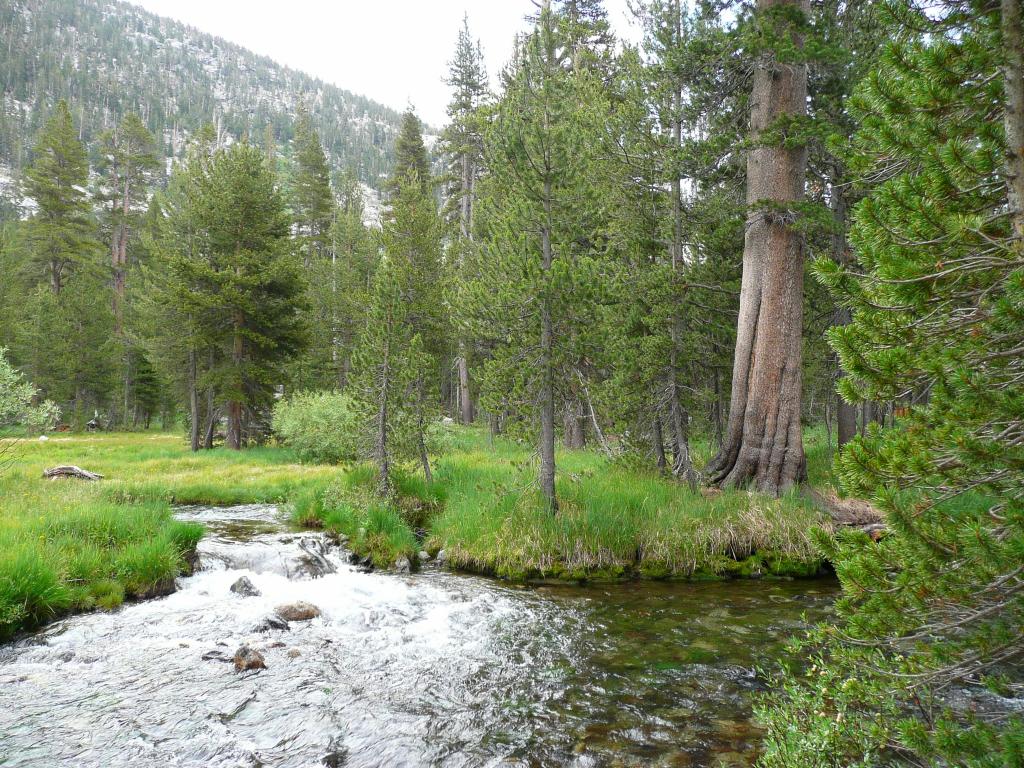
(614, 521)
(68, 545)
(71, 546)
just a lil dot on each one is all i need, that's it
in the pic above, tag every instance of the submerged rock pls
(402, 565)
(271, 623)
(336, 759)
(245, 588)
(314, 563)
(297, 611)
(246, 658)
(216, 656)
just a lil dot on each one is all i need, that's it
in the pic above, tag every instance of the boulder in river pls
(423, 555)
(297, 611)
(271, 623)
(245, 588)
(402, 565)
(246, 658)
(442, 557)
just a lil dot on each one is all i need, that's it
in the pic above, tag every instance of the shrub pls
(320, 427)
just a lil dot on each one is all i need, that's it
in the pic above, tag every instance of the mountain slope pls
(107, 58)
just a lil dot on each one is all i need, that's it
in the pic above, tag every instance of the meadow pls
(68, 545)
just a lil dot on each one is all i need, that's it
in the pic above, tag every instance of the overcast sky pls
(392, 51)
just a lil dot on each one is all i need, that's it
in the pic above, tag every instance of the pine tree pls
(311, 196)
(356, 255)
(175, 310)
(763, 439)
(411, 161)
(127, 167)
(397, 355)
(463, 148)
(338, 293)
(537, 275)
(60, 232)
(254, 283)
(924, 660)
(314, 211)
(228, 295)
(63, 337)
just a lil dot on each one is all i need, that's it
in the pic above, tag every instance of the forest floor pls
(69, 545)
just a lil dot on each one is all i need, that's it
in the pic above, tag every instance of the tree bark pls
(846, 413)
(193, 402)
(763, 441)
(1013, 117)
(575, 425)
(658, 444)
(211, 419)
(465, 400)
(493, 426)
(682, 465)
(381, 448)
(234, 436)
(547, 388)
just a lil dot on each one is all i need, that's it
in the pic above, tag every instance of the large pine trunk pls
(763, 442)
(1013, 119)
(234, 436)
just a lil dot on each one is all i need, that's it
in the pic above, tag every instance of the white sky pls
(392, 51)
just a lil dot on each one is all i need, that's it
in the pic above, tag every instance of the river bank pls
(616, 522)
(68, 546)
(423, 669)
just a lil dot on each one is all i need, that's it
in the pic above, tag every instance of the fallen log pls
(71, 471)
(849, 513)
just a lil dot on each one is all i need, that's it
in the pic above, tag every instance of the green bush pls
(320, 427)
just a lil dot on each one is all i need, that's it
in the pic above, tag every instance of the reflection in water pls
(432, 669)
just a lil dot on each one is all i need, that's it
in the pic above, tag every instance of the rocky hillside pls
(108, 57)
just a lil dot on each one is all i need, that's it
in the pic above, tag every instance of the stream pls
(428, 669)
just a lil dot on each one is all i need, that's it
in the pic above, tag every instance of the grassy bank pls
(68, 545)
(615, 521)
